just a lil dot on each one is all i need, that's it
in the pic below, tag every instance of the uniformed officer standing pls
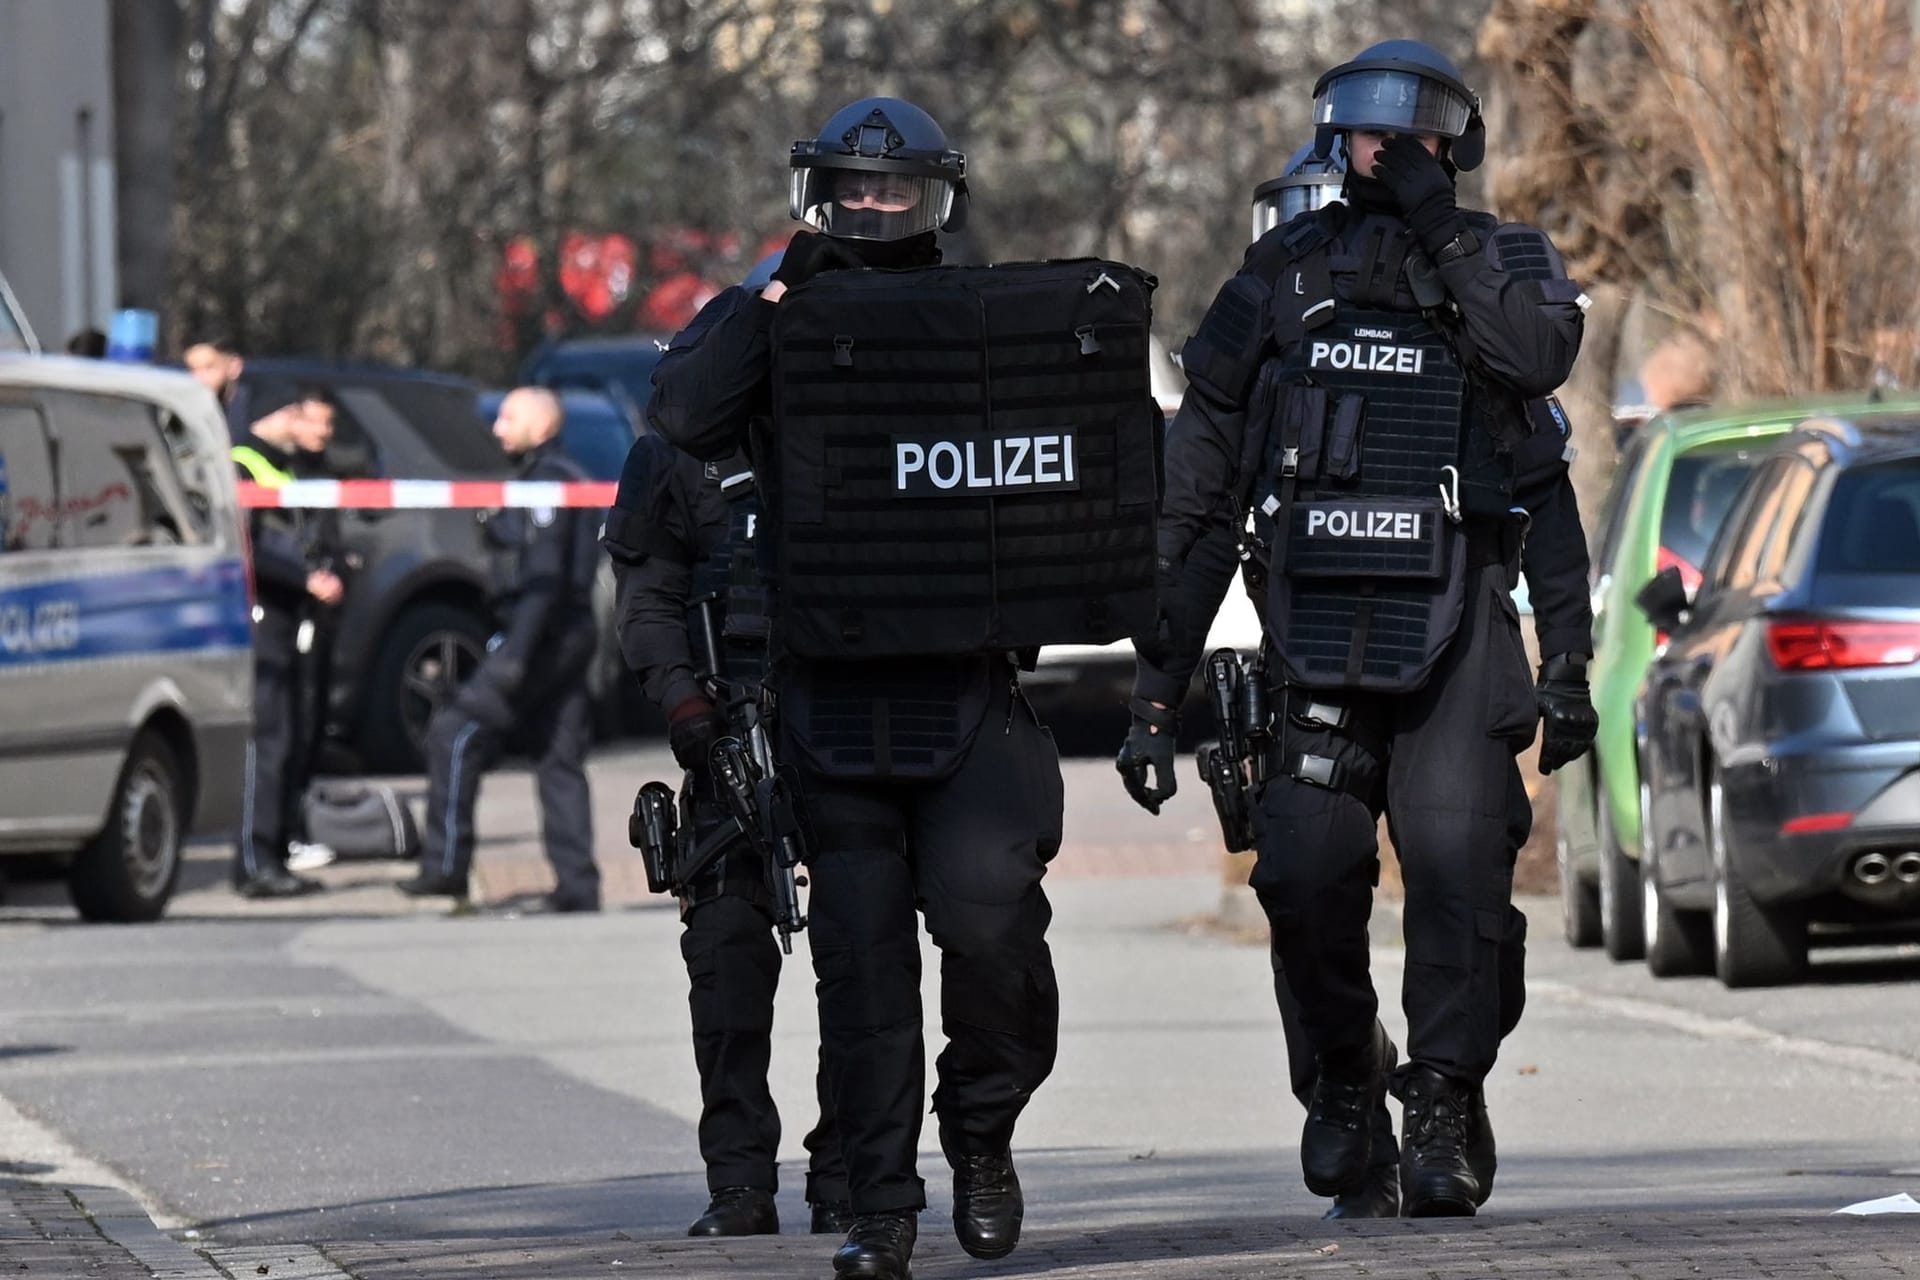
(929, 780)
(532, 684)
(1366, 391)
(287, 584)
(681, 537)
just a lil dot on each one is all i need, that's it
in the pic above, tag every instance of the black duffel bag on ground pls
(361, 820)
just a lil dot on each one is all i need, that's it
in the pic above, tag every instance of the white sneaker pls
(309, 857)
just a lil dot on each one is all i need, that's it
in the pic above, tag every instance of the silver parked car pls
(126, 670)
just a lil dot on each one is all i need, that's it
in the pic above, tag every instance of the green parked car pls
(1675, 482)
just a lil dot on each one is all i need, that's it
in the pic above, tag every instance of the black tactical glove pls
(694, 728)
(1422, 188)
(1144, 747)
(1568, 720)
(808, 254)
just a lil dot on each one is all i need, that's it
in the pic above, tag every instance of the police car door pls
(34, 619)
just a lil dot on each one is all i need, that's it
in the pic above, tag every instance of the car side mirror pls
(1664, 599)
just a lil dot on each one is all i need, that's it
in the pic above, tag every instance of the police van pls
(126, 680)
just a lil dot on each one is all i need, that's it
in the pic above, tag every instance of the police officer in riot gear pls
(929, 780)
(532, 684)
(681, 537)
(1553, 558)
(1365, 394)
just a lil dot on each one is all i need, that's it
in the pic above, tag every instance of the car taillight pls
(1689, 578)
(1832, 646)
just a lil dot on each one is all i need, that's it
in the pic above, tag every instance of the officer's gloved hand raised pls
(1150, 742)
(692, 729)
(808, 254)
(1568, 720)
(1421, 187)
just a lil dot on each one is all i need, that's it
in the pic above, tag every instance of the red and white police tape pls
(427, 495)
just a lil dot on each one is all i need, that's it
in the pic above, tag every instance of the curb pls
(119, 1217)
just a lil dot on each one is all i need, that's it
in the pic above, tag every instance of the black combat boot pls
(275, 882)
(987, 1204)
(432, 886)
(1436, 1176)
(879, 1246)
(1377, 1197)
(832, 1218)
(1338, 1137)
(738, 1211)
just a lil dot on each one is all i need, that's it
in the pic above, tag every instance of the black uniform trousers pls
(733, 970)
(1443, 757)
(969, 851)
(275, 777)
(552, 725)
(1303, 1067)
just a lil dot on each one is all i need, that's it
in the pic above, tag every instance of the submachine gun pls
(1234, 764)
(761, 795)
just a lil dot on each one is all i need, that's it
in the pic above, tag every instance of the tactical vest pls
(507, 532)
(729, 573)
(961, 460)
(1378, 458)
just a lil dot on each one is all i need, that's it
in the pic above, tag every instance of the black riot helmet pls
(880, 169)
(1312, 181)
(1403, 86)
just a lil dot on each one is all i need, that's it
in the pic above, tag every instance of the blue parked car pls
(1780, 725)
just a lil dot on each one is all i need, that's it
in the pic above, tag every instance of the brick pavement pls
(43, 1232)
(1738, 1246)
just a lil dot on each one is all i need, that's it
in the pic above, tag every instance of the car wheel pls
(428, 652)
(1753, 945)
(1679, 943)
(127, 872)
(1579, 901)
(1619, 891)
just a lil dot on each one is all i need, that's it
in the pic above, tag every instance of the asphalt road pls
(365, 1070)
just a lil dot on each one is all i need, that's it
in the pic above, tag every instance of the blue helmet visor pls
(1379, 100)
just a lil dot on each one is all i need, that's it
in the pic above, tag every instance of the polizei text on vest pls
(1367, 357)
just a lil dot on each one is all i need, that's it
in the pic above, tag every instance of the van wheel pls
(1619, 891)
(428, 652)
(1753, 945)
(1679, 943)
(127, 872)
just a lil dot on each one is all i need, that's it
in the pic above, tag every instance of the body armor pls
(1381, 455)
(729, 572)
(962, 460)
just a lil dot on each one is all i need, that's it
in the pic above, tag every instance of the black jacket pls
(543, 560)
(1524, 329)
(275, 536)
(667, 519)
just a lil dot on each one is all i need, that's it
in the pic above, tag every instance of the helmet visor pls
(1275, 205)
(859, 204)
(1383, 101)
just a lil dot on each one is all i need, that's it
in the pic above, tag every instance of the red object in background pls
(597, 272)
(675, 302)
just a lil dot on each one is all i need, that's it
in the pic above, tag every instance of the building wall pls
(57, 235)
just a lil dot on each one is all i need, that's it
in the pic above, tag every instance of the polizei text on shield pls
(932, 467)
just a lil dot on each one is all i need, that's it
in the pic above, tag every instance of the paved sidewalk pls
(95, 1232)
(1680, 1247)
